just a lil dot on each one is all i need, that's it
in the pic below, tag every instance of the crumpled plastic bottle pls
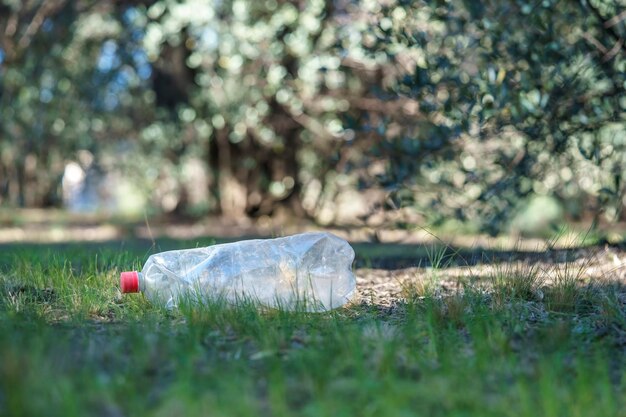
(309, 271)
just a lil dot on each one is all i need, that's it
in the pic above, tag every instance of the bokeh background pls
(494, 116)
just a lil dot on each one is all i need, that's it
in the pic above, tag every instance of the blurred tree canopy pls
(328, 109)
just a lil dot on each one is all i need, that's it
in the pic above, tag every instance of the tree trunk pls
(232, 193)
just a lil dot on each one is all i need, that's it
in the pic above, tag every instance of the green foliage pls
(451, 109)
(546, 95)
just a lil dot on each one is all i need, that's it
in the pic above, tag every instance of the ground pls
(438, 328)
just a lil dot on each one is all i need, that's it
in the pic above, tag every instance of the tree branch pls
(609, 26)
(45, 9)
(615, 20)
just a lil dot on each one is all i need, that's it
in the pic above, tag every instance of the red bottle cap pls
(129, 281)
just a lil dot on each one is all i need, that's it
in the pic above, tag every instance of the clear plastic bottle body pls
(310, 271)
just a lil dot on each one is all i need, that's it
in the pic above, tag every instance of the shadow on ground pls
(391, 256)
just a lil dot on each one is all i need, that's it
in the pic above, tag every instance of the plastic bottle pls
(309, 271)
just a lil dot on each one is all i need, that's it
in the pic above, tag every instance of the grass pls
(523, 342)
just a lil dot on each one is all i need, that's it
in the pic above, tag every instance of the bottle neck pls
(141, 281)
